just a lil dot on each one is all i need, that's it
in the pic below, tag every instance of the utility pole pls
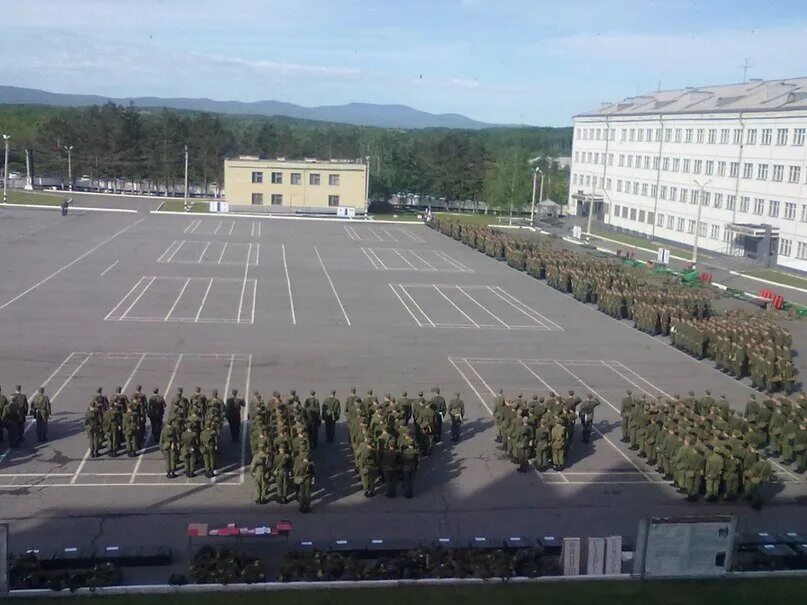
(187, 207)
(69, 150)
(701, 187)
(540, 195)
(590, 209)
(6, 137)
(512, 189)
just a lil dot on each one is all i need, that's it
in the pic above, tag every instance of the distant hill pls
(360, 114)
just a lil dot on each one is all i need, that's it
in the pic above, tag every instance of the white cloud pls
(285, 69)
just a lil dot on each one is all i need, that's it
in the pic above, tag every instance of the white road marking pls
(170, 258)
(423, 260)
(517, 308)
(105, 271)
(244, 284)
(451, 261)
(138, 297)
(333, 288)
(405, 306)
(389, 235)
(176, 302)
(371, 230)
(404, 259)
(223, 250)
(468, 382)
(288, 284)
(544, 320)
(204, 250)
(218, 227)
(453, 304)
(70, 264)
(370, 258)
(484, 308)
(232, 227)
(628, 380)
(417, 306)
(378, 258)
(351, 233)
(610, 364)
(204, 300)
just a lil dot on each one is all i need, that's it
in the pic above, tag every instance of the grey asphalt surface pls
(347, 327)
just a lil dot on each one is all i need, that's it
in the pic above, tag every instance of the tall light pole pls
(187, 208)
(540, 194)
(590, 206)
(6, 137)
(701, 186)
(69, 149)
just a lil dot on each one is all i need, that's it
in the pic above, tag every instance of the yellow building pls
(295, 185)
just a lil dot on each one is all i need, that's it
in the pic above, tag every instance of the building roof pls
(754, 95)
(547, 203)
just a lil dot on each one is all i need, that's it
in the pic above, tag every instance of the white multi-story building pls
(646, 163)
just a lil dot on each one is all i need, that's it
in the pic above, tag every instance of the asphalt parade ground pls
(124, 299)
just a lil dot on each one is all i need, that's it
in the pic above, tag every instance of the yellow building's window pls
(277, 199)
(333, 200)
(257, 199)
(257, 177)
(296, 178)
(277, 178)
(333, 179)
(313, 178)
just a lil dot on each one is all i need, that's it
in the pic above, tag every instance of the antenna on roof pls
(747, 64)
(659, 86)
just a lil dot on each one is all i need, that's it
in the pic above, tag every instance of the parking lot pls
(104, 300)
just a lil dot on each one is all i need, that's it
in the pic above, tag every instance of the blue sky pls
(507, 61)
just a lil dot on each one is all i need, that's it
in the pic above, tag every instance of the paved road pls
(99, 299)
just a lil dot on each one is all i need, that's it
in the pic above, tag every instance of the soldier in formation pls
(706, 448)
(541, 429)
(758, 350)
(13, 414)
(281, 432)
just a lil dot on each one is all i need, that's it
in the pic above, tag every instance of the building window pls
(790, 211)
(613, 133)
(696, 167)
(313, 178)
(670, 222)
(748, 170)
(690, 226)
(731, 202)
(633, 214)
(685, 166)
(630, 161)
(296, 178)
(277, 178)
(684, 195)
(759, 205)
(724, 136)
(778, 173)
(663, 192)
(688, 136)
(751, 136)
(721, 169)
(744, 202)
(673, 194)
(257, 198)
(333, 200)
(718, 200)
(659, 220)
(702, 229)
(640, 136)
(801, 250)
(766, 136)
(589, 155)
(781, 136)
(610, 159)
(622, 134)
(277, 199)
(715, 232)
(798, 136)
(616, 210)
(665, 164)
(713, 135)
(608, 184)
(619, 185)
(705, 198)
(734, 169)
(738, 136)
(257, 177)
(667, 135)
(676, 163)
(656, 163)
(785, 246)
(710, 167)
(762, 172)
(678, 133)
(658, 135)
(653, 191)
(650, 218)
(644, 189)
(649, 134)
(773, 208)
(641, 216)
(621, 159)
(699, 137)
(804, 213)
(795, 174)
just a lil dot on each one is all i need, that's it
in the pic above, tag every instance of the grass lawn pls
(779, 277)
(632, 240)
(179, 206)
(479, 218)
(404, 218)
(780, 591)
(16, 196)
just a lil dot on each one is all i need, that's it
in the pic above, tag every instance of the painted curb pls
(85, 208)
(346, 221)
(767, 281)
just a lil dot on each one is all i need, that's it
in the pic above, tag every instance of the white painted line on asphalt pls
(417, 306)
(204, 300)
(541, 380)
(257, 255)
(404, 259)
(504, 360)
(244, 284)
(189, 227)
(288, 284)
(405, 306)
(223, 250)
(549, 324)
(484, 308)
(452, 261)
(170, 258)
(137, 298)
(378, 258)
(333, 288)
(412, 236)
(423, 260)
(70, 264)
(69, 378)
(370, 259)
(482, 380)
(472, 387)
(232, 227)
(259, 229)
(105, 271)
(176, 302)
(371, 230)
(453, 304)
(218, 227)
(633, 383)
(202, 255)
(389, 235)
(351, 233)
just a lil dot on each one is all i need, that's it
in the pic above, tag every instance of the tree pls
(508, 181)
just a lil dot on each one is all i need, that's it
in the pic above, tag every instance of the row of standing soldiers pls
(542, 428)
(705, 447)
(283, 432)
(14, 411)
(758, 349)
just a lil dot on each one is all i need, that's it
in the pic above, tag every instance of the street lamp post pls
(6, 137)
(540, 193)
(701, 187)
(69, 149)
(590, 207)
(187, 208)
